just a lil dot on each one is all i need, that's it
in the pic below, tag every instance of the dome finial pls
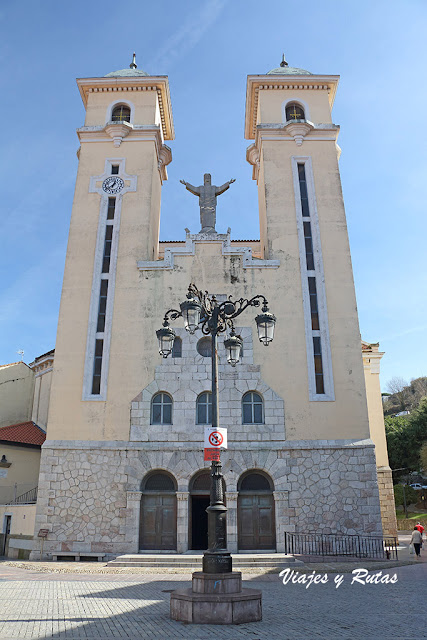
(133, 64)
(283, 63)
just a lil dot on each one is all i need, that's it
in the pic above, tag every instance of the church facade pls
(122, 469)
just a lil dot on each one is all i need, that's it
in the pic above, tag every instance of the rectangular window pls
(97, 366)
(313, 304)
(309, 257)
(318, 366)
(107, 248)
(303, 190)
(111, 208)
(102, 306)
(114, 169)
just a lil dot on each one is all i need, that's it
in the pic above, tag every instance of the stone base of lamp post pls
(216, 599)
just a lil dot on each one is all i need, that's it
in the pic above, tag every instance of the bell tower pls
(115, 221)
(294, 157)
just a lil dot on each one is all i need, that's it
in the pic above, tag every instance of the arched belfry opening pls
(199, 489)
(157, 526)
(255, 512)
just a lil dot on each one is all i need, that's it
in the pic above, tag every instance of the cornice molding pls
(159, 84)
(296, 132)
(133, 133)
(256, 84)
(248, 262)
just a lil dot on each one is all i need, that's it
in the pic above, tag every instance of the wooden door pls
(256, 521)
(157, 529)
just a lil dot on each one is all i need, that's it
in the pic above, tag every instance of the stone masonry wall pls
(186, 377)
(89, 495)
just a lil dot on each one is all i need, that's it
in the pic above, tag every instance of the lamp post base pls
(216, 599)
(217, 562)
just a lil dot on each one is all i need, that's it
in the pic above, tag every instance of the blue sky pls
(207, 48)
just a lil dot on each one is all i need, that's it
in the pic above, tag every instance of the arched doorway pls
(255, 512)
(157, 524)
(199, 487)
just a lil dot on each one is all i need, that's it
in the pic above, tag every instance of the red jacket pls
(420, 528)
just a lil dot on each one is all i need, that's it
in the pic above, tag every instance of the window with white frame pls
(204, 408)
(252, 408)
(161, 409)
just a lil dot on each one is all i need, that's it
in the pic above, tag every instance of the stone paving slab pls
(71, 606)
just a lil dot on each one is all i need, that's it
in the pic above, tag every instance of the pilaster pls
(231, 503)
(182, 498)
(133, 510)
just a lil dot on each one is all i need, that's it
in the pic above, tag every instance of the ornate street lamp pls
(166, 337)
(233, 346)
(201, 311)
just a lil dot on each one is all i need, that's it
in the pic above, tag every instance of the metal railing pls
(29, 497)
(313, 544)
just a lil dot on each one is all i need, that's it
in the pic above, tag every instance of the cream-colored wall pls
(141, 298)
(24, 470)
(145, 103)
(23, 518)
(371, 362)
(16, 394)
(270, 108)
(41, 398)
(69, 416)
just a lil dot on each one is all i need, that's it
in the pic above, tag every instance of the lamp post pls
(201, 311)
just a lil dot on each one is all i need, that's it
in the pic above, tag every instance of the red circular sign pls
(216, 439)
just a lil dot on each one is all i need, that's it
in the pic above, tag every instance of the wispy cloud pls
(405, 332)
(189, 34)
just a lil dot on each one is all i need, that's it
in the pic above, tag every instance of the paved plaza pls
(40, 605)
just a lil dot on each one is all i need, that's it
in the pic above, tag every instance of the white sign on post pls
(215, 438)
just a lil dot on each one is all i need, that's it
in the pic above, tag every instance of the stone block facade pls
(90, 492)
(186, 377)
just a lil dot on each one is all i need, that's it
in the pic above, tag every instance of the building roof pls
(23, 433)
(11, 364)
(126, 73)
(289, 71)
(43, 355)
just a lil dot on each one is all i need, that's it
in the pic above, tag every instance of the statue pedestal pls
(216, 598)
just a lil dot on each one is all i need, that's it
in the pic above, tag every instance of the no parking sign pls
(215, 439)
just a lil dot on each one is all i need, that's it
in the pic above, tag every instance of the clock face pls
(114, 184)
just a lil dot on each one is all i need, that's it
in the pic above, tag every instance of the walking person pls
(416, 540)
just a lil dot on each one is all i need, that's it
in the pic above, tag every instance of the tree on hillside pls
(398, 388)
(418, 390)
(405, 437)
(423, 457)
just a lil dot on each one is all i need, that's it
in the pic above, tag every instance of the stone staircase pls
(193, 561)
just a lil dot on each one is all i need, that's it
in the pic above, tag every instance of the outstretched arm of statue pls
(224, 187)
(194, 190)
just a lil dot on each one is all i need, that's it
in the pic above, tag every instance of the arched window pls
(158, 481)
(252, 406)
(204, 347)
(161, 409)
(254, 481)
(204, 408)
(121, 113)
(177, 348)
(294, 111)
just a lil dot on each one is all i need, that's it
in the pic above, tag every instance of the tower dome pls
(131, 72)
(286, 70)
